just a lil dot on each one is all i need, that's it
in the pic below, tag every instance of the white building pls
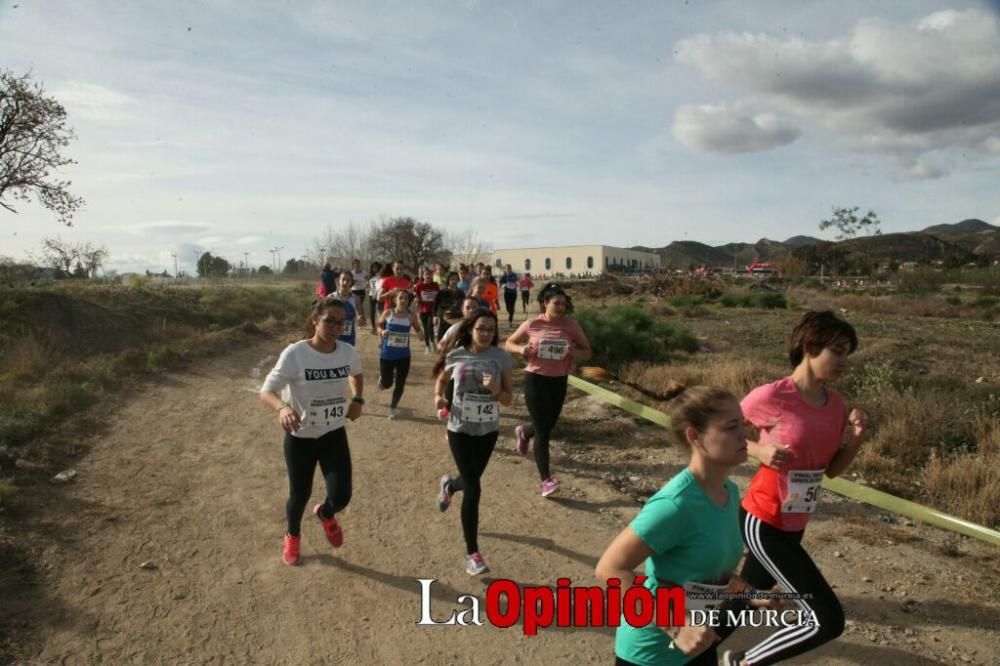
(574, 260)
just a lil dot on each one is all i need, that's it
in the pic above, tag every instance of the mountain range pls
(963, 242)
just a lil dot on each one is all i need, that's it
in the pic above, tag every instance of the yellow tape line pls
(841, 486)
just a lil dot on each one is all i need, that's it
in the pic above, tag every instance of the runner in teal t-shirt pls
(688, 532)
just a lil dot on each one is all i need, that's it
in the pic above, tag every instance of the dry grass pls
(26, 359)
(968, 484)
(735, 375)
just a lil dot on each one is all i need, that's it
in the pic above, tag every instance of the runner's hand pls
(858, 422)
(693, 641)
(776, 456)
(490, 383)
(530, 351)
(440, 403)
(354, 411)
(289, 420)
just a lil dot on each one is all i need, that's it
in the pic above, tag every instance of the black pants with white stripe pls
(778, 556)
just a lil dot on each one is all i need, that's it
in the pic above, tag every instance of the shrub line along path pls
(167, 547)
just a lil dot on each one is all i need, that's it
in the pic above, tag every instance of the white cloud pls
(93, 102)
(171, 228)
(718, 129)
(899, 90)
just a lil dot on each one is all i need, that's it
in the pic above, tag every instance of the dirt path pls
(188, 479)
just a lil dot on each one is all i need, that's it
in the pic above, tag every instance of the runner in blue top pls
(345, 285)
(688, 533)
(394, 326)
(508, 284)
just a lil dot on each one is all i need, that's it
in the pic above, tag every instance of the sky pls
(237, 127)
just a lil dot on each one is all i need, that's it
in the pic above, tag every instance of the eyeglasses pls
(484, 330)
(333, 321)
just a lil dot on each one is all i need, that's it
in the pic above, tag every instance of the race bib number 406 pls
(803, 491)
(553, 349)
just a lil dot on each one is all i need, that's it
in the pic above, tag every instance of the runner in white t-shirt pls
(316, 387)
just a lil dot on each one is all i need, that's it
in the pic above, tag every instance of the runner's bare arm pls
(506, 395)
(519, 343)
(288, 418)
(357, 386)
(440, 386)
(858, 425)
(621, 558)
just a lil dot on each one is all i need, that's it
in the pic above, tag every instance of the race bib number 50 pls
(803, 491)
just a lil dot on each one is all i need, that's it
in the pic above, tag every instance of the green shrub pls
(161, 357)
(731, 300)
(18, 425)
(64, 398)
(687, 300)
(985, 302)
(769, 300)
(624, 333)
(7, 490)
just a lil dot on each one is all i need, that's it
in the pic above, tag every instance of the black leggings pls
(472, 455)
(443, 327)
(334, 458)
(394, 372)
(359, 302)
(545, 397)
(778, 556)
(525, 294)
(427, 322)
(375, 312)
(510, 300)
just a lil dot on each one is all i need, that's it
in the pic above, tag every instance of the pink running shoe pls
(475, 565)
(331, 527)
(444, 495)
(522, 440)
(290, 555)
(549, 486)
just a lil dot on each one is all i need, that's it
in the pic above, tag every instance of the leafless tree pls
(341, 245)
(468, 247)
(33, 132)
(414, 243)
(62, 255)
(59, 254)
(92, 257)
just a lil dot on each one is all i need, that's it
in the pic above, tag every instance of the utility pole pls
(175, 264)
(279, 249)
(273, 250)
(246, 262)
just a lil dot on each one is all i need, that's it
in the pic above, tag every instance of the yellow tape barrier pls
(840, 486)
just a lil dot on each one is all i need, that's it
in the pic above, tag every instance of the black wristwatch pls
(358, 399)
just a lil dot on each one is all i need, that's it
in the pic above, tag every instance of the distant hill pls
(963, 241)
(971, 225)
(800, 241)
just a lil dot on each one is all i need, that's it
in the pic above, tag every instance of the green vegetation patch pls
(625, 333)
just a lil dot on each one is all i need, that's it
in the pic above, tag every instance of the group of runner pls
(693, 532)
